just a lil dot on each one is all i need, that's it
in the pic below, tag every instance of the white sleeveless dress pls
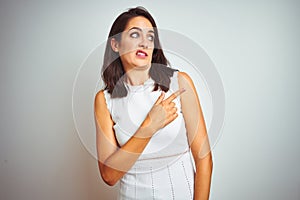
(165, 169)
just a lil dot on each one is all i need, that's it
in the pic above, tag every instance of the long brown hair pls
(112, 69)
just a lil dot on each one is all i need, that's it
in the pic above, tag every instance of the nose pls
(143, 43)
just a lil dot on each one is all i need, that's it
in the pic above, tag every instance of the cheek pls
(150, 55)
(129, 47)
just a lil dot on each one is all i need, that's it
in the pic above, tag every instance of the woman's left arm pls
(197, 136)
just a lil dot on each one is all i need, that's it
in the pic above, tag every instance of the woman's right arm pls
(115, 161)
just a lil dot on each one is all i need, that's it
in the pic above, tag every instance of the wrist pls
(147, 127)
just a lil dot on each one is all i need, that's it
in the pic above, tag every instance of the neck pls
(137, 77)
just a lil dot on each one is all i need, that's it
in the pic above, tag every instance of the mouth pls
(141, 53)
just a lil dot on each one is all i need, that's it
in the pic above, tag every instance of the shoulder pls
(184, 79)
(183, 75)
(99, 100)
(99, 95)
(102, 115)
(186, 82)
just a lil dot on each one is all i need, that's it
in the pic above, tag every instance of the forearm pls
(203, 178)
(117, 164)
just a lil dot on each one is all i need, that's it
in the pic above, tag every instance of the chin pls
(142, 66)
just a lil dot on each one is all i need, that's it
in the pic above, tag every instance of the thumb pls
(160, 98)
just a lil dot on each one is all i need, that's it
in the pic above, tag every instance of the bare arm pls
(115, 161)
(197, 136)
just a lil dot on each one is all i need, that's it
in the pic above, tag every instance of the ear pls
(114, 45)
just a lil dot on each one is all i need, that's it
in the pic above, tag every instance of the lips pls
(141, 53)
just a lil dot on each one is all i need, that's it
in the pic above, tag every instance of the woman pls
(151, 134)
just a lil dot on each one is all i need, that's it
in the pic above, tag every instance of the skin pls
(115, 161)
(138, 35)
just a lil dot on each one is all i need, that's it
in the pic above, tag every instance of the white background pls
(254, 44)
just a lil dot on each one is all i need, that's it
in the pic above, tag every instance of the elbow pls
(205, 165)
(107, 177)
(109, 181)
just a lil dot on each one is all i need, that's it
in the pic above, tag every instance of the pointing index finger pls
(174, 95)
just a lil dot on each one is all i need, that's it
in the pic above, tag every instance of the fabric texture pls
(165, 169)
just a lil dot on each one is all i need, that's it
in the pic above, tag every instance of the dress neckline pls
(140, 88)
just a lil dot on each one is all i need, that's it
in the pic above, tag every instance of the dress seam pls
(172, 188)
(187, 180)
(135, 190)
(152, 182)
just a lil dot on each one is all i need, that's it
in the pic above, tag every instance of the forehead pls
(140, 22)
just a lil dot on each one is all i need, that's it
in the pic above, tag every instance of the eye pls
(151, 38)
(134, 35)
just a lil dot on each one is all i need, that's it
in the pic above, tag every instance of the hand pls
(163, 112)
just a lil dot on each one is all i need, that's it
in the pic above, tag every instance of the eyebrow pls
(151, 31)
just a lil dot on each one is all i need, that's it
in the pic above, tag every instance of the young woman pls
(151, 134)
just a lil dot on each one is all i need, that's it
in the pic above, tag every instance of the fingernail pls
(182, 90)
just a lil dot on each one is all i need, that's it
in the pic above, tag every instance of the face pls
(137, 44)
